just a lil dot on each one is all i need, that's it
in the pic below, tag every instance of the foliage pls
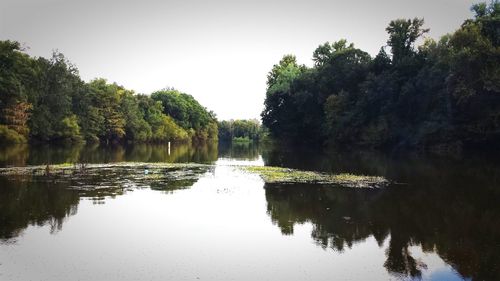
(70, 128)
(439, 95)
(200, 123)
(402, 36)
(57, 81)
(278, 103)
(239, 130)
(16, 76)
(46, 100)
(10, 136)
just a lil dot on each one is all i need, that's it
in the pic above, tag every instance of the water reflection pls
(38, 199)
(179, 179)
(444, 206)
(31, 200)
(240, 151)
(461, 224)
(29, 203)
(22, 155)
(15, 155)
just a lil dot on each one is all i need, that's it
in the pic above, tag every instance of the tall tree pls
(402, 36)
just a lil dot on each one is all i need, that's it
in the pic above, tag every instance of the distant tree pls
(242, 129)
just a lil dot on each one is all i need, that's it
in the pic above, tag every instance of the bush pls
(10, 136)
(70, 130)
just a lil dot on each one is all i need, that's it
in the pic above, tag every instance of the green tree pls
(402, 36)
(200, 124)
(441, 96)
(136, 127)
(57, 81)
(16, 76)
(279, 107)
(107, 100)
(45, 100)
(246, 129)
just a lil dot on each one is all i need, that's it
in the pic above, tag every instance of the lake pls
(438, 220)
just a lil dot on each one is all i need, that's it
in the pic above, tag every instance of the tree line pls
(45, 100)
(439, 95)
(240, 130)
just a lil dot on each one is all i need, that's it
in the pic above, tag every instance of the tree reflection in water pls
(240, 151)
(447, 206)
(26, 202)
(48, 200)
(22, 155)
(462, 225)
(34, 204)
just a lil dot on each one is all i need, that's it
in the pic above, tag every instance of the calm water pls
(440, 222)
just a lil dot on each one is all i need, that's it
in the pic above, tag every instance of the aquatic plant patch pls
(113, 175)
(286, 175)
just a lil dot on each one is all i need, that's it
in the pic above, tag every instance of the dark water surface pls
(441, 221)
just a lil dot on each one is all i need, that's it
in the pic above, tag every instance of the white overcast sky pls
(218, 51)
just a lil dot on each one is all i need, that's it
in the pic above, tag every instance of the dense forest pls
(240, 130)
(45, 100)
(441, 95)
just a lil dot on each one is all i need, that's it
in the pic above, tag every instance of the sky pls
(218, 51)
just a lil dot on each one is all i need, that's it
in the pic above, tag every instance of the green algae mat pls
(112, 175)
(139, 174)
(290, 176)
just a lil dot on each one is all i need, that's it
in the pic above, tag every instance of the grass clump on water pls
(285, 175)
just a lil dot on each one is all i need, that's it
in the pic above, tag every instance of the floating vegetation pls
(126, 175)
(171, 176)
(66, 168)
(290, 176)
